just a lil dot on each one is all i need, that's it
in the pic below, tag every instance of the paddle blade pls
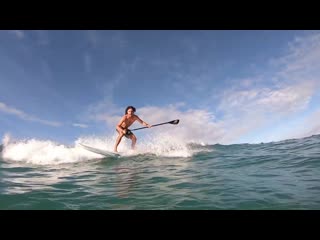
(174, 121)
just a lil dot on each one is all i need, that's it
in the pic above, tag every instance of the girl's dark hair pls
(133, 108)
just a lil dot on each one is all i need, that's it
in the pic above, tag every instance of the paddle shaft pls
(152, 126)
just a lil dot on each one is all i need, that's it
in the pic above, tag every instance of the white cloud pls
(104, 110)
(80, 125)
(196, 125)
(18, 33)
(109, 119)
(246, 111)
(238, 127)
(22, 115)
(313, 125)
(252, 104)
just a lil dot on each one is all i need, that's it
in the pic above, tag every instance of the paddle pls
(175, 122)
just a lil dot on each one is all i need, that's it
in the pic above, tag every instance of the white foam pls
(46, 152)
(166, 145)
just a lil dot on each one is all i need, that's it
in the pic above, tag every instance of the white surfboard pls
(100, 151)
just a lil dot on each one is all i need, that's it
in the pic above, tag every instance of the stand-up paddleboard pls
(99, 151)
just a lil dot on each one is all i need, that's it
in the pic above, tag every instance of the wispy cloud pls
(301, 63)
(80, 125)
(105, 109)
(196, 80)
(18, 33)
(119, 39)
(190, 46)
(281, 100)
(266, 101)
(42, 37)
(87, 63)
(93, 38)
(107, 39)
(22, 115)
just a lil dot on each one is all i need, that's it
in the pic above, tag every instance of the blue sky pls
(224, 86)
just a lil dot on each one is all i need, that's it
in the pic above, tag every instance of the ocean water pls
(169, 175)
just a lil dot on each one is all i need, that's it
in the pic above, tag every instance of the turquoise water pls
(279, 175)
